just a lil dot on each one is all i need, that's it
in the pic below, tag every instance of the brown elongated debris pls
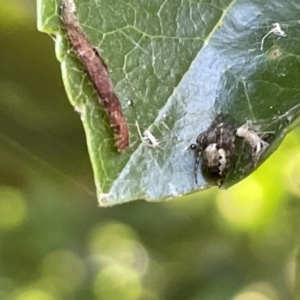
(97, 71)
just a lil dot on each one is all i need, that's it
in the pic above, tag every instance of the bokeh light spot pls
(258, 291)
(292, 173)
(117, 282)
(251, 296)
(33, 295)
(242, 207)
(12, 208)
(65, 269)
(117, 243)
(14, 12)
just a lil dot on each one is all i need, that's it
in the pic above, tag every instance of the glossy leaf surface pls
(175, 65)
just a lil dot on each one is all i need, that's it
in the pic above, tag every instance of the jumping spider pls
(216, 147)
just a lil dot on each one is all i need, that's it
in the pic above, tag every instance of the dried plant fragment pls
(147, 137)
(97, 71)
(276, 30)
(257, 144)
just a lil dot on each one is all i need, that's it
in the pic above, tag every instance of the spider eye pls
(193, 146)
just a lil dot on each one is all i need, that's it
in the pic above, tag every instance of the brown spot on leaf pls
(274, 54)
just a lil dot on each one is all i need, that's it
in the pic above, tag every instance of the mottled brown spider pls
(216, 147)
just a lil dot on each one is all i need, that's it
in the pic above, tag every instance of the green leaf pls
(175, 65)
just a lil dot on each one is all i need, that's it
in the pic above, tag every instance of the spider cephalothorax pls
(216, 147)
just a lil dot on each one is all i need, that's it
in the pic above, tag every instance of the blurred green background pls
(56, 243)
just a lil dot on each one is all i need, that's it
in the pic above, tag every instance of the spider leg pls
(196, 166)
